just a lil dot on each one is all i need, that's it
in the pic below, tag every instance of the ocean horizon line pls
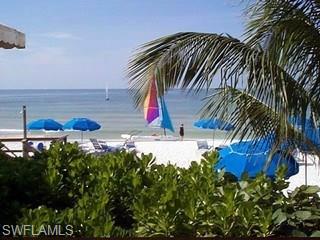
(41, 89)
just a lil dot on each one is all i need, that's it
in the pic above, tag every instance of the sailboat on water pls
(155, 109)
(107, 93)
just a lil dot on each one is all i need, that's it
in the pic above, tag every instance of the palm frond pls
(277, 66)
(289, 31)
(192, 60)
(254, 120)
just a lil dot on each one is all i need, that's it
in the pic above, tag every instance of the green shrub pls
(94, 194)
(201, 202)
(21, 186)
(299, 215)
(121, 195)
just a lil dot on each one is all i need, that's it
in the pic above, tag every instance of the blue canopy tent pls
(251, 157)
(45, 124)
(213, 124)
(81, 124)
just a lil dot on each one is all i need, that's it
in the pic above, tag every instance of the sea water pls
(116, 116)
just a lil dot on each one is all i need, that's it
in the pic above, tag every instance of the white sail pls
(107, 93)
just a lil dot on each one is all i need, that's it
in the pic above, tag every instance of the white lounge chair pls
(130, 146)
(96, 145)
(100, 147)
(203, 144)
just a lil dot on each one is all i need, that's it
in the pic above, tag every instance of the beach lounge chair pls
(203, 144)
(130, 146)
(104, 148)
(131, 134)
(109, 148)
(96, 145)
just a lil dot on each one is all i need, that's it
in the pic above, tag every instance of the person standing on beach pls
(181, 132)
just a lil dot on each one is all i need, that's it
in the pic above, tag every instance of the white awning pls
(10, 38)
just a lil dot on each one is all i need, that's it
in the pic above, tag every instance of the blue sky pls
(88, 43)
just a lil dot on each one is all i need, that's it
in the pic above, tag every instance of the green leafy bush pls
(21, 186)
(201, 202)
(121, 195)
(300, 212)
(94, 194)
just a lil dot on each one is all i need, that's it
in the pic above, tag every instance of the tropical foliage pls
(17, 180)
(265, 78)
(121, 194)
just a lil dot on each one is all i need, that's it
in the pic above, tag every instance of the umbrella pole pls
(213, 139)
(305, 169)
(25, 140)
(81, 137)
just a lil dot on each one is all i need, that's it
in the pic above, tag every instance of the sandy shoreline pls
(182, 153)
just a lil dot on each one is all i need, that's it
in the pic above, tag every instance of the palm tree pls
(270, 76)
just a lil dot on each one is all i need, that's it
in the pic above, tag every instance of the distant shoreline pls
(116, 116)
(102, 88)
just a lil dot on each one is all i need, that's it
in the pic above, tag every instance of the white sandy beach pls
(182, 153)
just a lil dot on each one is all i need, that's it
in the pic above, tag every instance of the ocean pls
(116, 116)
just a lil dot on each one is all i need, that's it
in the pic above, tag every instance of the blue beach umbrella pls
(45, 124)
(251, 157)
(214, 123)
(81, 124)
